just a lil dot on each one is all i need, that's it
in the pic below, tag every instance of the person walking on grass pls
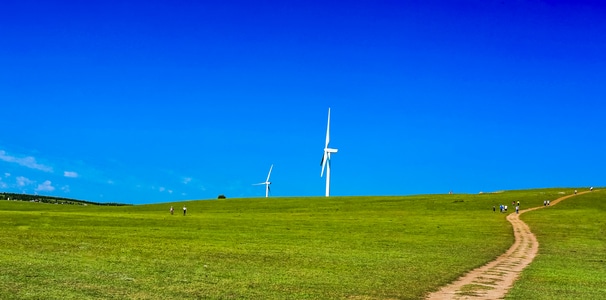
(172, 210)
(517, 209)
(184, 210)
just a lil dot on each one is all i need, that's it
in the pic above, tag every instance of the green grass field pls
(572, 254)
(268, 248)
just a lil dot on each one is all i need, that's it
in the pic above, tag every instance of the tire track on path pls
(493, 280)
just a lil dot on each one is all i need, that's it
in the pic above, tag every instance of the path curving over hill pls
(493, 280)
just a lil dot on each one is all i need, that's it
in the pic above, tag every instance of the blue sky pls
(158, 101)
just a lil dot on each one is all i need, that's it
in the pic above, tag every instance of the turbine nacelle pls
(326, 158)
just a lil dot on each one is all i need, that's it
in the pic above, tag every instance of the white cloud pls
(170, 191)
(162, 189)
(28, 161)
(22, 181)
(45, 187)
(3, 185)
(65, 188)
(7, 174)
(187, 180)
(70, 174)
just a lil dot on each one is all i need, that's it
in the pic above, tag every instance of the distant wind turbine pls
(266, 183)
(326, 157)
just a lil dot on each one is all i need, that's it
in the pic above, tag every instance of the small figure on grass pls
(172, 210)
(184, 210)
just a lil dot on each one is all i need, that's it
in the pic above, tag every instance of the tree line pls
(51, 199)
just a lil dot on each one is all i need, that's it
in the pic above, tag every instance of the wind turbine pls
(266, 183)
(326, 157)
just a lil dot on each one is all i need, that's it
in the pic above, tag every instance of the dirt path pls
(493, 280)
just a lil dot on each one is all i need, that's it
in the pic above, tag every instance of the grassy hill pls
(572, 257)
(268, 248)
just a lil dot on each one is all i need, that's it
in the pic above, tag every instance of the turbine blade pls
(328, 130)
(324, 159)
(269, 174)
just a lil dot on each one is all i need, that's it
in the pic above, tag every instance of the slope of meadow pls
(274, 248)
(572, 254)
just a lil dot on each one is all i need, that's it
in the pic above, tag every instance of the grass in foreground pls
(274, 248)
(571, 263)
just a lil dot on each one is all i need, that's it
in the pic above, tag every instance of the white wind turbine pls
(326, 157)
(266, 183)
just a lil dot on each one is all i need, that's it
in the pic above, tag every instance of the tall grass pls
(571, 263)
(269, 248)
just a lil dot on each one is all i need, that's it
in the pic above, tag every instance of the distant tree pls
(222, 197)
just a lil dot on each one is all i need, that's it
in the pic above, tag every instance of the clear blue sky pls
(157, 101)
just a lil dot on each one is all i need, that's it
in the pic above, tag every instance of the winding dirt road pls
(493, 280)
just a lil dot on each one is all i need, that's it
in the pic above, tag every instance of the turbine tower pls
(266, 183)
(326, 157)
